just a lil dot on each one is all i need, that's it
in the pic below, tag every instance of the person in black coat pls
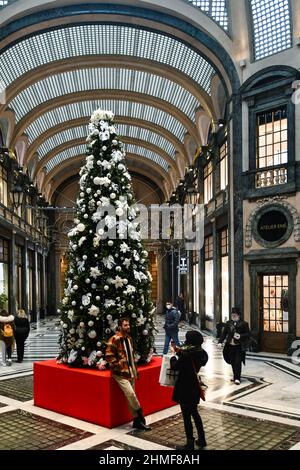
(190, 358)
(180, 306)
(172, 319)
(21, 334)
(236, 333)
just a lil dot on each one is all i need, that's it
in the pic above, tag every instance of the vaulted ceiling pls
(58, 65)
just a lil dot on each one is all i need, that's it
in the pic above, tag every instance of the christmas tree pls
(108, 275)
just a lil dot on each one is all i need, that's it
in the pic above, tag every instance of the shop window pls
(19, 269)
(224, 274)
(276, 304)
(4, 260)
(29, 211)
(209, 278)
(39, 282)
(30, 279)
(208, 183)
(3, 186)
(224, 166)
(272, 147)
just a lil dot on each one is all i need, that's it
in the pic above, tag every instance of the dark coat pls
(22, 328)
(231, 328)
(228, 332)
(172, 319)
(180, 304)
(187, 390)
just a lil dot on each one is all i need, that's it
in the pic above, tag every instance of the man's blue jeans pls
(168, 338)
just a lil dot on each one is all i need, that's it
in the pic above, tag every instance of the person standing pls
(172, 318)
(7, 333)
(190, 358)
(181, 307)
(22, 332)
(236, 333)
(120, 356)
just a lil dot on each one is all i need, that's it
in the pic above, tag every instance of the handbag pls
(167, 376)
(202, 386)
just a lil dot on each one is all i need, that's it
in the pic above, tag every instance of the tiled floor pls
(262, 413)
(27, 431)
(225, 431)
(19, 388)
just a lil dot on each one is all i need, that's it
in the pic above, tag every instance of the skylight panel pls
(90, 79)
(271, 27)
(62, 137)
(80, 40)
(65, 155)
(149, 154)
(216, 9)
(121, 108)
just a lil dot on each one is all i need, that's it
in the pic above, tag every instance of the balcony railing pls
(272, 176)
(35, 234)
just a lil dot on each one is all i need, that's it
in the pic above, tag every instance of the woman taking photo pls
(188, 361)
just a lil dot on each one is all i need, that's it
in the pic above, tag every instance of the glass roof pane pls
(104, 79)
(81, 132)
(65, 155)
(216, 9)
(84, 109)
(103, 39)
(5, 3)
(271, 27)
(146, 153)
(148, 136)
(58, 139)
(80, 150)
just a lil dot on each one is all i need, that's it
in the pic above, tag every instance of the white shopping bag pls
(167, 376)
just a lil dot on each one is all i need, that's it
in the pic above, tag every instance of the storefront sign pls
(183, 268)
(272, 226)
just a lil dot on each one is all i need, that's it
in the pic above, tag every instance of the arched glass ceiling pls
(104, 79)
(143, 152)
(103, 39)
(271, 27)
(65, 155)
(81, 149)
(148, 136)
(216, 9)
(63, 137)
(120, 108)
(123, 130)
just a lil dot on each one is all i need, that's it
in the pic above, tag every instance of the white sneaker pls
(9, 362)
(237, 382)
(3, 364)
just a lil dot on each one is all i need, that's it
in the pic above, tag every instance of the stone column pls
(25, 276)
(12, 275)
(35, 307)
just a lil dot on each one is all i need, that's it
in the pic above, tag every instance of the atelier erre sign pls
(272, 226)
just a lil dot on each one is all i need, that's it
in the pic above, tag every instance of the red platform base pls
(94, 396)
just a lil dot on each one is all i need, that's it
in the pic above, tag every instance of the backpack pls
(7, 331)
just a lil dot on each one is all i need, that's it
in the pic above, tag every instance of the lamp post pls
(17, 196)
